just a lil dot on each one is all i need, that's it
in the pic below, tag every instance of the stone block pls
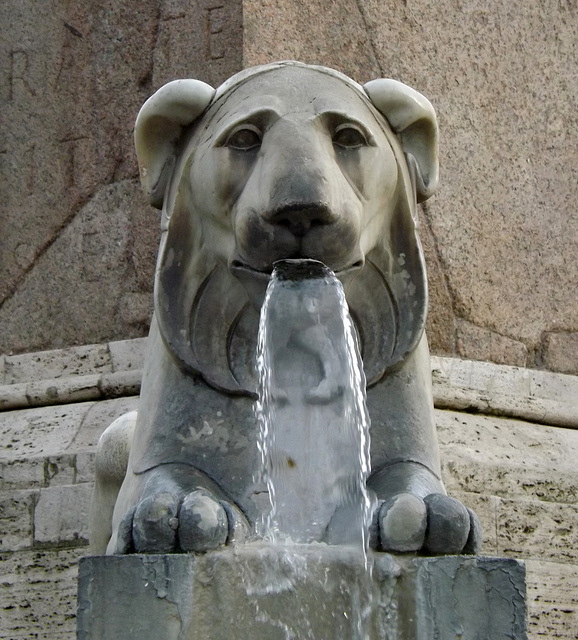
(560, 352)
(470, 598)
(509, 458)
(314, 592)
(490, 255)
(128, 354)
(471, 214)
(506, 271)
(494, 250)
(38, 472)
(61, 515)
(99, 244)
(40, 432)
(485, 387)
(17, 519)
(22, 474)
(552, 600)
(479, 343)
(283, 32)
(38, 594)
(557, 389)
(57, 363)
(538, 530)
(209, 35)
(81, 271)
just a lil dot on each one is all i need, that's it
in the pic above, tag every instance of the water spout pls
(314, 424)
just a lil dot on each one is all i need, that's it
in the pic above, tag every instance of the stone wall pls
(502, 232)
(517, 472)
(78, 242)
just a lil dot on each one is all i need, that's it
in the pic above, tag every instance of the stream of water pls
(314, 425)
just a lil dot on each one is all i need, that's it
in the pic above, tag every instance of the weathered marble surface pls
(536, 396)
(296, 162)
(309, 591)
(38, 593)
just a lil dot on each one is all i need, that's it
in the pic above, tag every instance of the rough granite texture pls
(78, 246)
(500, 237)
(78, 241)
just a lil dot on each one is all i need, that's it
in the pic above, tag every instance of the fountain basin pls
(314, 592)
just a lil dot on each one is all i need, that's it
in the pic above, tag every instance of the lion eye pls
(349, 136)
(244, 138)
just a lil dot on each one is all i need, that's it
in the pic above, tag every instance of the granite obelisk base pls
(312, 592)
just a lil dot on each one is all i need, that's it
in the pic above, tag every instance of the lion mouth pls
(255, 281)
(238, 268)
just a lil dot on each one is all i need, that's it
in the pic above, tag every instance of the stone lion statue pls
(282, 161)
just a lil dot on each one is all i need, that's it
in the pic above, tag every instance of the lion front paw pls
(437, 524)
(164, 523)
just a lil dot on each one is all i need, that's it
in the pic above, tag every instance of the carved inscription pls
(18, 71)
(92, 256)
(216, 20)
(30, 164)
(68, 61)
(72, 148)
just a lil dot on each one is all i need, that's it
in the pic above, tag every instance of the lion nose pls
(300, 218)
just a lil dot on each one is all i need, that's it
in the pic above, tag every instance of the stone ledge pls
(114, 370)
(70, 389)
(50, 432)
(111, 357)
(493, 389)
(312, 591)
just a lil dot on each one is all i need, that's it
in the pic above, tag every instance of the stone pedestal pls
(310, 592)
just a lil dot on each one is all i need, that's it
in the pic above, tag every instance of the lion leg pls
(110, 465)
(173, 508)
(417, 515)
(414, 512)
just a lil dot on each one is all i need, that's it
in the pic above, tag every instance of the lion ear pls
(413, 118)
(158, 128)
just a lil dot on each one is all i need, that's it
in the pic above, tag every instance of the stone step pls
(97, 372)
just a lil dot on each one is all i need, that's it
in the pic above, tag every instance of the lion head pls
(283, 161)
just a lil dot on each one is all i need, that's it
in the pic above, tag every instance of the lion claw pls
(163, 523)
(203, 523)
(437, 524)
